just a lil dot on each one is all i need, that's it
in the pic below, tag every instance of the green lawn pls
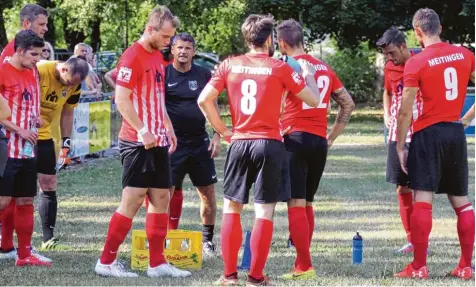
(353, 196)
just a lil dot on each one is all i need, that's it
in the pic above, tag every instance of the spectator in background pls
(48, 53)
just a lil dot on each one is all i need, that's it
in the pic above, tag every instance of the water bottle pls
(28, 148)
(357, 249)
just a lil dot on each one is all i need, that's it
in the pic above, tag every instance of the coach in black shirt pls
(195, 152)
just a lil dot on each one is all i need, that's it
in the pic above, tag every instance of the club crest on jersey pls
(124, 74)
(193, 85)
(63, 92)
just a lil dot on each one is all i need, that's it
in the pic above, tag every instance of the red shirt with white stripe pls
(255, 85)
(7, 52)
(441, 72)
(393, 75)
(143, 72)
(20, 89)
(303, 118)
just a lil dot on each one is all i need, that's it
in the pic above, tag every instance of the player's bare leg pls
(465, 226)
(231, 238)
(120, 224)
(156, 230)
(208, 212)
(420, 227)
(405, 203)
(47, 208)
(301, 234)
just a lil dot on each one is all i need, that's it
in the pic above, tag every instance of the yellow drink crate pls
(183, 249)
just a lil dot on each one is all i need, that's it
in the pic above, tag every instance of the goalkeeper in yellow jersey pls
(60, 85)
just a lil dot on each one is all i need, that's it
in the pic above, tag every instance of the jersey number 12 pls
(323, 83)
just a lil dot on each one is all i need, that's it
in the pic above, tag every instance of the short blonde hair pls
(161, 14)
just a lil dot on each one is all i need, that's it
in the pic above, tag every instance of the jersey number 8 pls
(323, 83)
(249, 88)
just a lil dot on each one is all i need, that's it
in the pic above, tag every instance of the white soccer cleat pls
(11, 255)
(115, 269)
(167, 270)
(39, 256)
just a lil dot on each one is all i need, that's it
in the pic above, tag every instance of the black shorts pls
(46, 156)
(3, 155)
(257, 161)
(145, 168)
(308, 155)
(19, 178)
(438, 160)
(193, 158)
(395, 173)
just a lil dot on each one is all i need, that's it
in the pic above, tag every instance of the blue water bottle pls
(357, 249)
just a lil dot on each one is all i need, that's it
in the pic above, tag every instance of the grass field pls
(353, 196)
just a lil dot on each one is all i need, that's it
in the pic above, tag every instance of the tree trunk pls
(3, 32)
(72, 37)
(96, 35)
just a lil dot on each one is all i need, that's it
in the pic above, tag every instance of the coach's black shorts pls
(144, 168)
(395, 173)
(3, 155)
(19, 178)
(257, 161)
(46, 157)
(438, 160)
(308, 155)
(193, 158)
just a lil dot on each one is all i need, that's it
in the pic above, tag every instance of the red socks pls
(8, 226)
(405, 202)
(118, 229)
(231, 237)
(420, 227)
(299, 230)
(156, 230)
(175, 209)
(310, 221)
(465, 228)
(24, 227)
(260, 243)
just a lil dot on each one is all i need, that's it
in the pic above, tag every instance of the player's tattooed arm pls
(346, 104)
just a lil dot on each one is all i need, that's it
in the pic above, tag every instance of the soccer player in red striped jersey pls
(437, 161)
(145, 135)
(256, 85)
(35, 18)
(394, 47)
(19, 86)
(307, 142)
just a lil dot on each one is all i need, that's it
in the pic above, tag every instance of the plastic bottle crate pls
(183, 249)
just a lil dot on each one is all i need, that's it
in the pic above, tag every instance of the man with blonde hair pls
(144, 141)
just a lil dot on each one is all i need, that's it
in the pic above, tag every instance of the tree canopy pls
(112, 25)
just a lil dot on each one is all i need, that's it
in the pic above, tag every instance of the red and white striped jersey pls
(143, 72)
(394, 85)
(20, 89)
